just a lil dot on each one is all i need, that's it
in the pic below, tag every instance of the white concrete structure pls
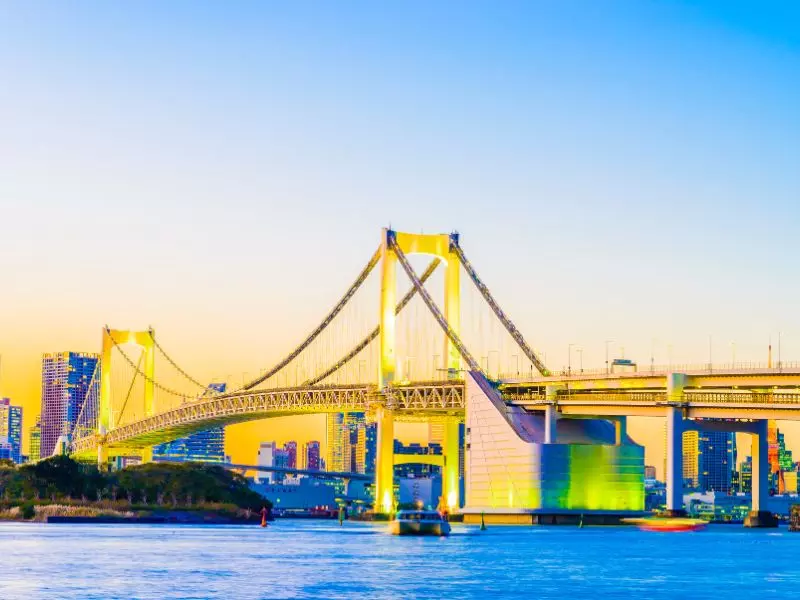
(520, 463)
(266, 458)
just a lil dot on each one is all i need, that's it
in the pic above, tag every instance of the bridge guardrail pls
(738, 368)
(659, 398)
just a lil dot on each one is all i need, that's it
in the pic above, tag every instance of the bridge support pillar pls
(550, 427)
(550, 415)
(676, 382)
(384, 462)
(674, 461)
(760, 516)
(450, 478)
(102, 457)
(147, 455)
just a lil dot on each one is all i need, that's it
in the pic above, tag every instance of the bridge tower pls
(441, 246)
(111, 338)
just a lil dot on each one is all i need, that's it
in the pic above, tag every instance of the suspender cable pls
(437, 314)
(175, 365)
(321, 327)
(374, 333)
(510, 327)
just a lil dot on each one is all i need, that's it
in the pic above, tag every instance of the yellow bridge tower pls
(443, 247)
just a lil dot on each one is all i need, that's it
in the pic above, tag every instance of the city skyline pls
(399, 299)
(648, 138)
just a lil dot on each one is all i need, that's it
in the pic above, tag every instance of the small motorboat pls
(419, 522)
(667, 524)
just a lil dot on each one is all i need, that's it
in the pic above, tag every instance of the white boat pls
(419, 522)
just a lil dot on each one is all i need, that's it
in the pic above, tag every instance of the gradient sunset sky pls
(624, 170)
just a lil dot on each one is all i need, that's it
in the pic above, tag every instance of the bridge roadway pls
(419, 401)
(283, 470)
(703, 393)
(742, 393)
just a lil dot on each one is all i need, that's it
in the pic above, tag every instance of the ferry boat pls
(419, 522)
(667, 524)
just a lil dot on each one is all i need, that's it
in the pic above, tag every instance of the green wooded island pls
(60, 489)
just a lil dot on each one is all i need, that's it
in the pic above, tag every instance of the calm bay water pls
(316, 559)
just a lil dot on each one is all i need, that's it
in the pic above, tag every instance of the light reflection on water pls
(320, 559)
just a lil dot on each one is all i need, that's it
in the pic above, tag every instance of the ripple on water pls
(320, 559)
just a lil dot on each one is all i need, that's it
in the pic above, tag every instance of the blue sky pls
(623, 170)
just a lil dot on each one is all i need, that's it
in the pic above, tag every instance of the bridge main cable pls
(507, 323)
(321, 327)
(375, 332)
(437, 314)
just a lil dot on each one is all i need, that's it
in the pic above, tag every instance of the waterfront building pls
(5, 450)
(303, 493)
(11, 428)
(266, 458)
(436, 432)
(347, 443)
(311, 456)
(785, 462)
(416, 470)
(35, 440)
(280, 458)
(66, 380)
(203, 446)
(708, 460)
(419, 491)
(371, 447)
(690, 445)
(746, 475)
(790, 482)
(291, 449)
(716, 450)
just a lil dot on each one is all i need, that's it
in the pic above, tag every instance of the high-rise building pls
(690, 446)
(11, 428)
(785, 462)
(746, 475)
(436, 433)
(266, 458)
(351, 443)
(291, 449)
(66, 378)
(716, 450)
(790, 482)
(35, 440)
(370, 447)
(203, 446)
(280, 458)
(311, 456)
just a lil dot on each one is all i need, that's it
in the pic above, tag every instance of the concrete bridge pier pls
(675, 462)
(675, 385)
(384, 461)
(147, 455)
(450, 479)
(551, 415)
(759, 515)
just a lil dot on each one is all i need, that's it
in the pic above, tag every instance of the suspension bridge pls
(530, 433)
